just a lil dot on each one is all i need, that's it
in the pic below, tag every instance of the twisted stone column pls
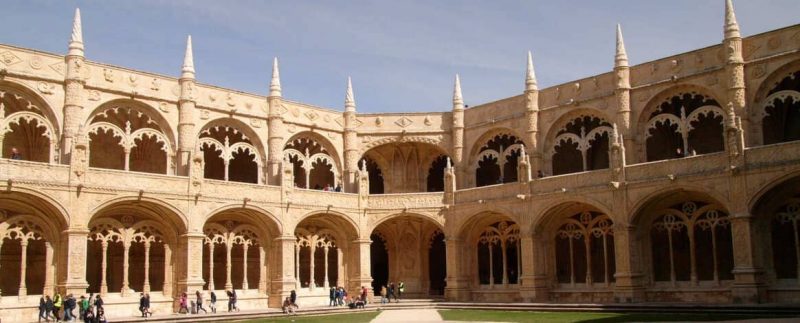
(103, 267)
(146, 286)
(211, 266)
(23, 265)
(245, 285)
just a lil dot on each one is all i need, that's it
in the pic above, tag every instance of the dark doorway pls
(437, 262)
(379, 263)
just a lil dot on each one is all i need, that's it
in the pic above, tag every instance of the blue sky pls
(402, 55)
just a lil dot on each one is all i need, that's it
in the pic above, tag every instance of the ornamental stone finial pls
(275, 83)
(731, 26)
(530, 75)
(621, 58)
(349, 98)
(187, 70)
(449, 164)
(458, 100)
(76, 39)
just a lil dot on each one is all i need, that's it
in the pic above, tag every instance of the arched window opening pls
(496, 162)
(781, 114)
(233, 257)
(437, 264)
(691, 241)
(585, 250)
(436, 174)
(498, 254)
(229, 155)
(684, 125)
(581, 145)
(24, 251)
(25, 132)
(318, 254)
(785, 225)
(318, 167)
(375, 176)
(126, 138)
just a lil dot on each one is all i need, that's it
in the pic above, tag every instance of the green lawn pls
(515, 316)
(362, 317)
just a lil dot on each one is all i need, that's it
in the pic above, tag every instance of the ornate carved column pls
(23, 265)
(457, 288)
(350, 140)
(748, 272)
(340, 270)
(126, 248)
(297, 266)
(103, 269)
(505, 263)
(262, 270)
(186, 108)
(326, 284)
(210, 266)
(734, 65)
(622, 95)
(73, 87)
(168, 267)
(190, 277)
(361, 256)
(49, 269)
(275, 127)
(534, 280)
(312, 256)
(146, 286)
(628, 287)
(228, 264)
(283, 280)
(532, 115)
(458, 132)
(245, 285)
(72, 261)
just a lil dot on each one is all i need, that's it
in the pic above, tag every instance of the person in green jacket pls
(57, 302)
(83, 306)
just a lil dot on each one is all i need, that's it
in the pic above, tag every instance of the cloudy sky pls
(402, 55)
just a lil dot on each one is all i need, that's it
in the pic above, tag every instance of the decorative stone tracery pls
(500, 236)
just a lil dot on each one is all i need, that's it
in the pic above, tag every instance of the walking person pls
(142, 307)
(293, 297)
(69, 306)
(332, 296)
(57, 303)
(98, 304)
(230, 300)
(42, 309)
(235, 299)
(213, 304)
(83, 305)
(184, 306)
(383, 294)
(200, 303)
(390, 295)
(401, 288)
(364, 294)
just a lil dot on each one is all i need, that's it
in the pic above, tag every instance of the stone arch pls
(133, 246)
(491, 249)
(232, 151)
(153, 207)
(776, 220)
(261, 217)
(311, 155)
(27, 123)
(636, 208)
(565, 205)
(579, 237)
(237, 242)
(668, 125)
(126, 134)
(571, 129)
(30, 201)
(776, 116)
(403, 165)
(686, 237)
(404, 253)
(490, 165)
(350, 226)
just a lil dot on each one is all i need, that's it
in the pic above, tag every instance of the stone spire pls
(76, 39)
(349, 99)
(458, 100)
(187, 70)
(621, 58)
(275, 83)
(530, 75)
(731, 26)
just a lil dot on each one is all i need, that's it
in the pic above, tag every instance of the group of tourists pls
(387, 293)
(90, 310)
(197, 305)
(339, 297)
